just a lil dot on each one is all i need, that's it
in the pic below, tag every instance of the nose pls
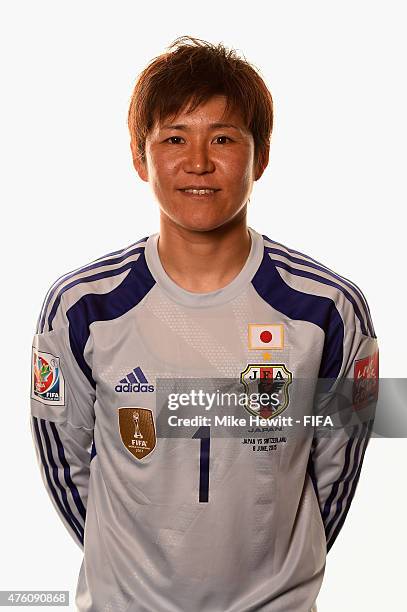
(198, 159)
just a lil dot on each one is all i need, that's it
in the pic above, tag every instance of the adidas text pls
(136, 388)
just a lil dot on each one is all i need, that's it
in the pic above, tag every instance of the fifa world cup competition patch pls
(47, 381)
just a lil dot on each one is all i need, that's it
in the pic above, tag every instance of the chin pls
(201, 224)
(201, 221)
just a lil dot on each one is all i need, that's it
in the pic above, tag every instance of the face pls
(204, 149)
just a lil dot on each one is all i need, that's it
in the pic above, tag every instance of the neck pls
(203, 261)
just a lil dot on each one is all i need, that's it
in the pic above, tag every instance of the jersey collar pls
(211, 298)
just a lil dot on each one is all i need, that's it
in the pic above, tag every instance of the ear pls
(262, 164)
(140, 166)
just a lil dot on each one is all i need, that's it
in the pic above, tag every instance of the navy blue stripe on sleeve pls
(67, 473)
(123, 254)
(298, 305)
(55, 469)
(93, 307)
(353, 478)
(321, 279)
(79, 533)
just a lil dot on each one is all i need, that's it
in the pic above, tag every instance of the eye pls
(224, 137)
(173, 138)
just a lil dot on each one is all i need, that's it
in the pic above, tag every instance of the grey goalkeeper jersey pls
(215, 514)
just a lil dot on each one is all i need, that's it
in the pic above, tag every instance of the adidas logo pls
(134, 382)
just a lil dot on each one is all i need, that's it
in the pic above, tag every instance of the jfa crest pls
(137, 431)
(272, 380)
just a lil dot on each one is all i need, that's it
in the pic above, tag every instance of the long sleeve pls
(337, 455)
(62, 421)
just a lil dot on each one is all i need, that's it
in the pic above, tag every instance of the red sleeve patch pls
(365, 380)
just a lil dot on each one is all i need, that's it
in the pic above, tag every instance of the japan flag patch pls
(265, 336)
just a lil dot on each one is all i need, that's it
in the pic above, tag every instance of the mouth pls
(199, 192)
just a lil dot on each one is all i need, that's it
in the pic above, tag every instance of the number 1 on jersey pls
(203, 433)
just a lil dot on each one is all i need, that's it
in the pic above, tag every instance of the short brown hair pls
(191, 72)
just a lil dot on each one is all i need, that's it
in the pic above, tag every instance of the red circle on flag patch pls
(266, 336)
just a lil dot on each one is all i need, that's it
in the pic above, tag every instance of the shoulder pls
(99, 277)
(317, 290)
